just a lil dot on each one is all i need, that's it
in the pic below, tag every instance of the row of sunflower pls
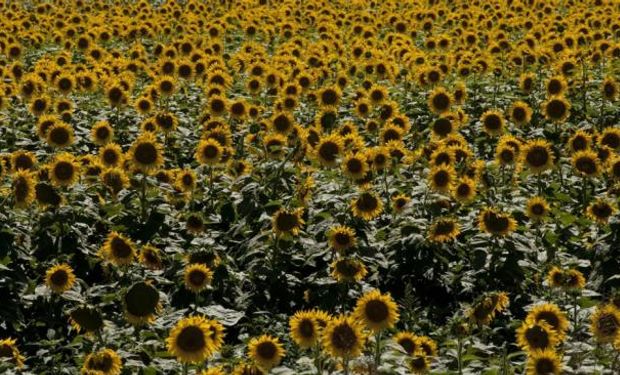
(180, 180)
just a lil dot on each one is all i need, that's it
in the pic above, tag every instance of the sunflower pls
(367, 206)
(493, 122)
(355, 165)
(46, 195)
(213, 371)
(266, 352)
(586, 163)
(23, 188)
(407, 341)
(64, 170)
(59, 135)
(197, 277)
(115, 179)
(439, 100)
(247, 369)
(552, 315)
(400, 202)
(497, 223)
(443, 230)
(275, 145)
(526, 82)
(377, 311)
(328, 149)
(556, 85)
(610, 89)
(190, 340)
(166, 86)
(343, 337)
(441, 178)
(141, 303)
(44, 123)
(217, 105)
(543, 362)
(116, 94)
(146, 153)
(111, 155)
(39, 105)
(118, 249)
(379, 157)
(341, 238)
(282, 123)
(285, 222)
(60, 278)
(537, 209)
(556, 109)
(610, 137)
(86, 319)
(10, 352)
(419, 363)
(329, 96)
(580, 141)
(536, 335)
(150, 256)
(520, 113)
(347, 270)
(22, 160)
(605, 323)
(464, 190)
(304, 329)
(101, 133)
(104, 362)
(483, 311)
(536, 156)
(209, 152)
(573, 279)
(144, 105)
(600, 210)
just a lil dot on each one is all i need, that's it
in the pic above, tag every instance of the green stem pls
(377, 352)
(459, 355)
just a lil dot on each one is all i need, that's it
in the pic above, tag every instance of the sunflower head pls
(59, 278)
(347, 270)
(377, 311)
(197, 277)
(492, 122)
(118, 249)
(343, 337)
(191, 340)
(497, 223)
(537, 208)
(304, 329)
(586, 163)
(600, 210)
(141, 303)
(146, 153)
(536, 335)
(287, 222)
(444, 230)
(552, 315)
(367, 206)
(341, 238)
(544, 362)
(536, 156)
(266, 352)
(105, 361)
(556, 109)
(605, 323)
(10, 353)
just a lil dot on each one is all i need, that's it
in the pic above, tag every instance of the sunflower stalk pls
(377, 352)
(459, 354)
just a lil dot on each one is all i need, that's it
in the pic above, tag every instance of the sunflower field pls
(310, 187)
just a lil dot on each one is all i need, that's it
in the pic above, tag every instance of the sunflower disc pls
(141, 299)
(87, 318)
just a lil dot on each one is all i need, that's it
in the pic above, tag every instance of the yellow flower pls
(341, 237)
(60, 278)
(190, 340)
(536, 335)
(146, 153)
(266, 352)
(285, 222)
(536, 156)
(197, 277)
(495, 222)
(209, 152)
(537, 208)
(348, 270)
(103, 362)
(9, 350)
(343, 337)
(544, 362)
(23, 188)
(118, 250)
(377, 311)
(586, 163)
(443, 230)
(605, 323)
(439, 100)
(552, 315)
(304, 329)
(407, 341)
(367, 206)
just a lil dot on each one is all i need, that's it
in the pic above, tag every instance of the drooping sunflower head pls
(610, 88)
(23, 188)
(189, 340)
(537, 208)
(287, 222)
(536, 335)
(197, 277)
(304, 329)
(348, 270)
(552, 315)
(105, 361)
(443, 230)
(419, 363)
(86, 319)
(376, 310)
(341, 237)
(266, 352)
(118, 249)
(167, 122)
(275, 145)
(343, 337)
(141, 303)
(605, 323)
(367, 206)
(60, 278)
